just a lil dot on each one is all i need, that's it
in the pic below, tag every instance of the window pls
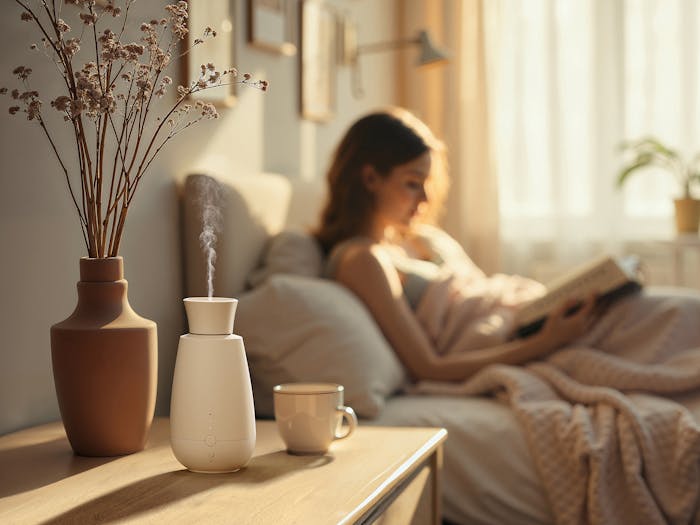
(568, 82)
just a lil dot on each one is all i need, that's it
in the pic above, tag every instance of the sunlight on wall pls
(241, 126)
(307, 151)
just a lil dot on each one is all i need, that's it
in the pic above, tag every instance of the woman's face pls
(398, 196)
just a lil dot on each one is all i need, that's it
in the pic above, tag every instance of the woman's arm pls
(366, 270)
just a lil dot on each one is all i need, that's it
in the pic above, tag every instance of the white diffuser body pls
(212, 417)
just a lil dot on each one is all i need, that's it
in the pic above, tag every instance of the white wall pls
(39, 233)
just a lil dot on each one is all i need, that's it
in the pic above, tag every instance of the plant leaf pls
(643, 160)
(649, 145)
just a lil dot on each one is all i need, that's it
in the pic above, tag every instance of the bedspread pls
(463, 311)
(609, 442)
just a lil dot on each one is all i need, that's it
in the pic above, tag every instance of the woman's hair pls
(383, 140)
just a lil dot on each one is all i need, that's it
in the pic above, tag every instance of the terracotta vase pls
(105, 360)
(687, 215)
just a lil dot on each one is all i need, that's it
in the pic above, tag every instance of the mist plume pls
(211, 226)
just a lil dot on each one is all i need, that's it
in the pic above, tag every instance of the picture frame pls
(317, 60)
(271, 26)
(220, 50)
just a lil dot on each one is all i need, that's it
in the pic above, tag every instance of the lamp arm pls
(384, 46)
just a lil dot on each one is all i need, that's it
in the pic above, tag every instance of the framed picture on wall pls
(220, 50)
(271, 25)
(317, 60)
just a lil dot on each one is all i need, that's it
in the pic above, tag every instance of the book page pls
(599, 276)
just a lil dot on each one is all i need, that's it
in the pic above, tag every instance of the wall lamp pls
(349, 51)
(429, 52)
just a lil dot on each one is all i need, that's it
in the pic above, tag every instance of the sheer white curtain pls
(568, 81)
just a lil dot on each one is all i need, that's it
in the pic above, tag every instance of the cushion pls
(291, 251)
(252, 208)
(298, 328)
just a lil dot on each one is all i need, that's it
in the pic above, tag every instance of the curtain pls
(451, 99)
(568, 81)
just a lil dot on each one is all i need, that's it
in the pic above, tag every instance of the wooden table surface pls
(42, 481)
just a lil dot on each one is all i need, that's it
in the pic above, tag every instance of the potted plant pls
(114, 106)
(648, 151)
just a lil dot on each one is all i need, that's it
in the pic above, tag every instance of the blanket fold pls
(609, 447)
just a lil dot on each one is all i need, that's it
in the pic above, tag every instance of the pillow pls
(292, 251)
(299, 328)
(253, 207)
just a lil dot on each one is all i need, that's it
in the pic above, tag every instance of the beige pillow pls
(299, 328)
(292, 251)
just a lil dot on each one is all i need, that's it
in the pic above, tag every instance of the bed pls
(299, 327)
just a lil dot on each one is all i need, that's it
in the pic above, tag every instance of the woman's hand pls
(564, 325)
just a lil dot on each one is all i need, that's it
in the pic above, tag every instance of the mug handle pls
(351, 418)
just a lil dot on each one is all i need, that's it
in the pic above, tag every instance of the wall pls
(39, 231)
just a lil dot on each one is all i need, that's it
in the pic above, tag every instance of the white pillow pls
(292, 251)
(299, 328)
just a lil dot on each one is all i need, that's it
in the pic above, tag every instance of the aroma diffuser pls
(212, 418)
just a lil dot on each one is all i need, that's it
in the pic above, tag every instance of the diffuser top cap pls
(210, 315)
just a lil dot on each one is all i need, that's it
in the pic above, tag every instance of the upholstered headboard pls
(253, 208)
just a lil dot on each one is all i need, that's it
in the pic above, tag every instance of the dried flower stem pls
(109, 102)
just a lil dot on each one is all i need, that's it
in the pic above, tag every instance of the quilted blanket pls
(610, 443)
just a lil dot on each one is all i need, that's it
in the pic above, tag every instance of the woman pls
(386, 179)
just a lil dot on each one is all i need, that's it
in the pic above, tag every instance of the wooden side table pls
(384, 474)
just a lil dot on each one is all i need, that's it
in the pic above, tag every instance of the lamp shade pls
(429, 53)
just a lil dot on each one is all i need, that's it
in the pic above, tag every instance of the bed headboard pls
(252, 208)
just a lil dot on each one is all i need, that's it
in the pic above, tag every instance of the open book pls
(606, 276)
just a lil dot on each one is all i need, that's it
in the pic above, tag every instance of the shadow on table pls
(169, 487)
(32, 466)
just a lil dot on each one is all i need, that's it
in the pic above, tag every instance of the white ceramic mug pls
(310, 416)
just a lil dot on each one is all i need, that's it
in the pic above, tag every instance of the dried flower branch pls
(109, 102)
